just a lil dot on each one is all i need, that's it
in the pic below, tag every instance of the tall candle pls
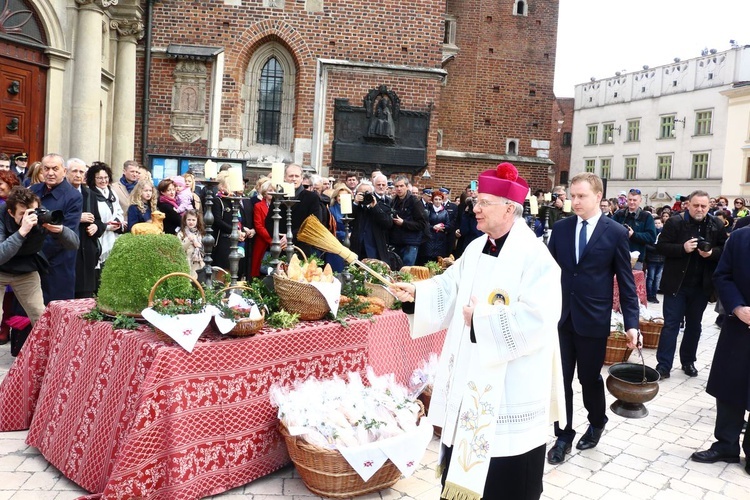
(288, 189)
(533, 206)
(567, 206)
(547, 196)
(210, 169)
(277, 173)
(345, 199)
(235, 180)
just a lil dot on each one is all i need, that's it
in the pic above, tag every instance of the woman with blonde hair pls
(143, 202)
(262, 237)
(34, 174)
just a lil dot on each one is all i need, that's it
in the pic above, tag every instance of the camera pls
(626, 227)
(703, 244)
(44, 216)
(367, 198)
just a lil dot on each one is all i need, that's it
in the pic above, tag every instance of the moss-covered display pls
(134, 265)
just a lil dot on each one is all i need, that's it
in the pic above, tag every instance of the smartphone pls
(473, 185)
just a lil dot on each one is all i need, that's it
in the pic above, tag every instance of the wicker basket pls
(245, 327)
(300, 298)
(617, 349)
(651, 332)
(163, 336)
(326, 472)
(381, 293)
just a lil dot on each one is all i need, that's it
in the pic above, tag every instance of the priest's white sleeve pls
(435, 301)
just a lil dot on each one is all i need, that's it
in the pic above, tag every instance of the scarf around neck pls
(128, 185)
(107, 197)
(166, 199)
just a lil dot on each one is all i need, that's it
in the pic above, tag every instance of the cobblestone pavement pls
(637, 458)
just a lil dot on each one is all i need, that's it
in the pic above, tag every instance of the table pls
(126, 415)
(640, 288)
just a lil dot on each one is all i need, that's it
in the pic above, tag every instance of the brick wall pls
(562, 110)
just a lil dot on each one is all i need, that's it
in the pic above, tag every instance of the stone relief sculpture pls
(188, 122)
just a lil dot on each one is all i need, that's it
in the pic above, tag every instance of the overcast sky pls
(599, 37)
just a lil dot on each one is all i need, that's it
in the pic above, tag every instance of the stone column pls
(123, 124)
(87, 82)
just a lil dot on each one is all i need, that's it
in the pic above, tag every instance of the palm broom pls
(314, 233)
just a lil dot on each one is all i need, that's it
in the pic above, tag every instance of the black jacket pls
(370, 227)
(308, 204)
(644, 229)
(89, 248)
(414, 228)
(677, 264)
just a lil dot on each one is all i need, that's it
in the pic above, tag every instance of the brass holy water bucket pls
(632, 384)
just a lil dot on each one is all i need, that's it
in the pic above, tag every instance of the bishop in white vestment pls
(499, 383)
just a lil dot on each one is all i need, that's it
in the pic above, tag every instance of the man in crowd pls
(90, 229)
(409, 222)
(21, 160)
(308, 204)
(556, 207)
(500, 303)
(640, 226)
(21, 241)
(131, 174)
(591, 250)
(729, 380)
(380, 183)
(4, 162)
(56, 193)
(691, 243)
(352, 180)
(371, 225)
(452, 210)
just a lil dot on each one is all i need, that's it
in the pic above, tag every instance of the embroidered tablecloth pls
(640, 288)
(126, 415)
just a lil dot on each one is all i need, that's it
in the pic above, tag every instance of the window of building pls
(520, 8)
(593, 133)
(634, 130)
(449, 34)
(270, 80)
(606, 168)
(608, 130)
(703, 122)
(664, 167)
(699, 168)
(666, 127)
(589, 166)
(631, 168)
(566, 138)
(511, 146)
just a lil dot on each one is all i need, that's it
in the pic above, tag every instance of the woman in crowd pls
(7, 181)
(34, 174)
(337, 263)
(262, 238)
(143, 202)
(98, 178)
(167, 203)
(439, 224)
(191, 235)
(222, 226)
(739, 210)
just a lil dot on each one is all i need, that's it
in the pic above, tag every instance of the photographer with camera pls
(372, 222)
(24, 226)
(640, 225)
(556, 206)
(691, 243)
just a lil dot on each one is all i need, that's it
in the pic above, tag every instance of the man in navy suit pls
(590, 250)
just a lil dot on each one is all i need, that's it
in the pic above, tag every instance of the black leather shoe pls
(663, 373)
(710, 456)
(557, 453)
(590, 438)
(690, 370)
(747, 467)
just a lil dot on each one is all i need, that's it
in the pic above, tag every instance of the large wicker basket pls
(326, 472)
(300, 298)
(651, 332)
(617, 349)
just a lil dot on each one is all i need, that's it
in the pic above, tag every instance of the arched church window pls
(19, 21)
(269, 102)
(520, 8)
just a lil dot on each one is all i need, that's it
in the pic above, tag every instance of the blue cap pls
(444, 190)
(427, 191)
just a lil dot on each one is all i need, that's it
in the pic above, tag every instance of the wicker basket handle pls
(171, 275)
(298, 249)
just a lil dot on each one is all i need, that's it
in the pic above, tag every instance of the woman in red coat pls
(262, 238)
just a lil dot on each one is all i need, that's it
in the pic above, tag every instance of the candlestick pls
(234, 239)
(289, 203)
(210, 169)
(275, 237)
(533, 206)
(277, 173)
(208, 238)
(288, 189)
(547, 196)
(345, 200)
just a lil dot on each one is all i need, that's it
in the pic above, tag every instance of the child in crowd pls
(191, 234)
(143, 202)
(184, 195)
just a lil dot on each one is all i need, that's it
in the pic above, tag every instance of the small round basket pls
(163, 336)
(617, 349)
(300, 298)
(245, 327)
(651, 331)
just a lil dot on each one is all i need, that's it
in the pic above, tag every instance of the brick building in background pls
(562, 138)
(455, 86)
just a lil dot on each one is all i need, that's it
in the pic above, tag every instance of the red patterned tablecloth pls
(126, 415)
(640, 288)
